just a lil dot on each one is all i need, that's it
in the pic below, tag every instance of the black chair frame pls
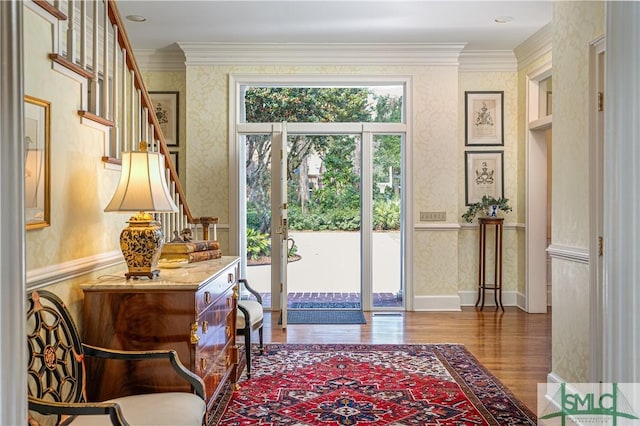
(56, 369)
(246, 331)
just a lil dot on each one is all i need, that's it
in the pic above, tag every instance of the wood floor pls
(514, 346)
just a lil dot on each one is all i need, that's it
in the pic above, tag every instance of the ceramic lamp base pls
(141, 243)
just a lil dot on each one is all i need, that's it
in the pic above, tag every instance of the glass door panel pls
(324, 208)
(386, 241)
(258, 213)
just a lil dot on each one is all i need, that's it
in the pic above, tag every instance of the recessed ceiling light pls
(503, 19)
(136, 18)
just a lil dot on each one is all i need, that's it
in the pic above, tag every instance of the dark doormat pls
(319, 316)
(324, 305)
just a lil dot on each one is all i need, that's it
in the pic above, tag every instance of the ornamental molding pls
(431, 54)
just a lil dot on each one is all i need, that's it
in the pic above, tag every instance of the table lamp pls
(143, 189)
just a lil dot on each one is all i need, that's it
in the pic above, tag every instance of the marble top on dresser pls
(189, 276)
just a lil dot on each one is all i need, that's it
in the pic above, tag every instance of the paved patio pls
(329, 269)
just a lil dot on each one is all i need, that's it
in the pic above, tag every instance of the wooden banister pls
(143, 107)
(123, 40)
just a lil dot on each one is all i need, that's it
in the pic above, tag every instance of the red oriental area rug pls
(443, 384)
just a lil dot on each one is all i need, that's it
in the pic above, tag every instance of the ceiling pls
(345, 21)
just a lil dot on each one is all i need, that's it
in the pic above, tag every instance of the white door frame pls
(536, 194)
(596, 196)
(236, 128)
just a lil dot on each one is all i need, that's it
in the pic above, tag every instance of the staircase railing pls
(92, 42)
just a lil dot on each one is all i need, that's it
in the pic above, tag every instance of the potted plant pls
(488, 206)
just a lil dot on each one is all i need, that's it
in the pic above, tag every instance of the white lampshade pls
(143, 186)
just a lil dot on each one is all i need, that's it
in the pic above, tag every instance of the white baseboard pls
(436, 303)
(554, 378)
(469, 297)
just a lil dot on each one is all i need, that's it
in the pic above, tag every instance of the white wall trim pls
(621, 355)
(536, 182)
(571, 254)
(534, 47)
(211, 53)
(506, 226)
(47, 275)
(554, 378)
(13, 315)
(444, 226)
(488, 60)
(440, 226)
(436, 303)
(521, 301)
(160, 60)
(469, 297)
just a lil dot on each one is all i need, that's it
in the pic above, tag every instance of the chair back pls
(56, 369)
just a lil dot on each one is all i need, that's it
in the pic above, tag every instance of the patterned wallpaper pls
(80, 185)
(576, 24)
(438, 159)
(468, 240)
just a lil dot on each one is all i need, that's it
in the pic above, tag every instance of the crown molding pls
(488, 60)
(535, 46)
(432, 54)
(160, 60)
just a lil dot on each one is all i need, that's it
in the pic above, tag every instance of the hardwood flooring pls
(514, 346)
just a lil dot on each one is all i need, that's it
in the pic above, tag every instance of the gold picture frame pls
(37, 140)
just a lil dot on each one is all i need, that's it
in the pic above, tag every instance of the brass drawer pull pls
(203, 364)
(194, 333)
(205, 327)
(230, 278)
(207, 297)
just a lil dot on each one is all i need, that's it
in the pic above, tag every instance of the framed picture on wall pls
(37, 127)
(165, 105)
(484, 172)
(484, 115)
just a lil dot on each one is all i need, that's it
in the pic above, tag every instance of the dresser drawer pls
(219, 369)
(215, 330)
(212, 290)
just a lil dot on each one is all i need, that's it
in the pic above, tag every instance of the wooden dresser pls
(190, 309)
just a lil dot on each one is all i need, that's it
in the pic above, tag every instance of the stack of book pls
(192, 251)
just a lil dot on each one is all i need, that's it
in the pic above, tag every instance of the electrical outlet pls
(433, 216)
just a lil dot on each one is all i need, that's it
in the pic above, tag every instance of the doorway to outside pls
(326, 195)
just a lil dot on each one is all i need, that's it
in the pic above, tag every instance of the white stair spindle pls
(71, 31)
(104, 96)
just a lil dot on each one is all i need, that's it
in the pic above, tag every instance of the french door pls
(349, 267)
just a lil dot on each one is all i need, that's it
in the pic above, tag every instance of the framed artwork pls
(165, 105)
(37, 134)
(484, 115)
(484, 172)
(174, 159)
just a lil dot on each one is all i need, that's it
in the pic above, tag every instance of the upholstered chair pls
(57, 377)
(249, 319)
